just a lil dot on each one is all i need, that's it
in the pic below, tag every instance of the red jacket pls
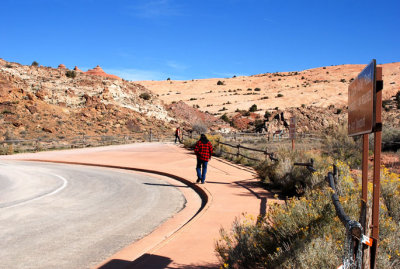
(203, 151)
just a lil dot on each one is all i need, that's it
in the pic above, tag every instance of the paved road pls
(60, 216)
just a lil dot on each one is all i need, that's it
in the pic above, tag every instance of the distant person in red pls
(178, 135)
(203, 151)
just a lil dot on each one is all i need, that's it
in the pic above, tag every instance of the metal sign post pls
(365, 109)
(377, 166)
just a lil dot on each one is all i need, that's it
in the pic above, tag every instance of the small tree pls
(253, 108)
(220, 82)
(70, 74)
(267, 114)
(34, 63)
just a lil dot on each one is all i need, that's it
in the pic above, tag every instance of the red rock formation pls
(76, 69)
(98, 71)
(61, 66)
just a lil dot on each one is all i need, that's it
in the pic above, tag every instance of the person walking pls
(178, 135)
(203, 151)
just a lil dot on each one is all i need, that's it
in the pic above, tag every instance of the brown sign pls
(362, 96)
(292, 128)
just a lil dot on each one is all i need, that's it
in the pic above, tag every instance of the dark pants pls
(178, 138)
(201, 169)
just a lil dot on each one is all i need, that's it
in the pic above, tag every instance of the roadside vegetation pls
(305, 232)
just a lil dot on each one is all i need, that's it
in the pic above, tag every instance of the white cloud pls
(137, 74)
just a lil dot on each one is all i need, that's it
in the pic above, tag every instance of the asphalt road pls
(64, 216)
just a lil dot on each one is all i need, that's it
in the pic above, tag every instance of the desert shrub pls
(390, 183)
(145, 96)
(220, 82)
(253, 108)
(191, 142)
(279, 95)
(34, 63)
(397, 97)
(267, 114)
(225, 118)
(340, 146)
(304, 232)
(389, 226)
(257, 89)
(199, 128)
(291, 179)
(70, 74)
(390, 135)
(9, 66)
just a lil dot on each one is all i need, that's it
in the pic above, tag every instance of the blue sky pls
(194, 39)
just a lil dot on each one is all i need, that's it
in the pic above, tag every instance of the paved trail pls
(69, 216)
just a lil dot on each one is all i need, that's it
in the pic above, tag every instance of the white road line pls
(65, 183)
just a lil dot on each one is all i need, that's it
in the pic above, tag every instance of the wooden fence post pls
(150, 135)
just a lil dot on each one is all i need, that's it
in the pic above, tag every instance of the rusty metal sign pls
(362, 102)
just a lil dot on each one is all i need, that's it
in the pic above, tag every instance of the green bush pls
(289, 178)
(70, 74)
(253, 108)
(225, 118)
(279, 95)
(305, 232)
(145, 96)
(34, 63)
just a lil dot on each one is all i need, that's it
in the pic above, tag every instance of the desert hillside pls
(320, 87)
(44, 102)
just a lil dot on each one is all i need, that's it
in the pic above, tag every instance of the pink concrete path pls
(187, 240)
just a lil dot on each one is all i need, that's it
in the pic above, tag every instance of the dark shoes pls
(198, 180)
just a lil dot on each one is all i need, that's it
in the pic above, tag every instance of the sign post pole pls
(364, 220)
(377, 167)
(365, 117)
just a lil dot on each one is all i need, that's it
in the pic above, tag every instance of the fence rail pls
(354, 231)
(238, 147)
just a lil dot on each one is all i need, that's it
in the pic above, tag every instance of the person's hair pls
(203, 138)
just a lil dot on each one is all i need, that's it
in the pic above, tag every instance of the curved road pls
(63, 216)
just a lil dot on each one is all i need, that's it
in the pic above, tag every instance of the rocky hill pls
(44, 102)
(318, 97)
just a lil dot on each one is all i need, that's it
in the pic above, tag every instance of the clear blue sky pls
(192, 39)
